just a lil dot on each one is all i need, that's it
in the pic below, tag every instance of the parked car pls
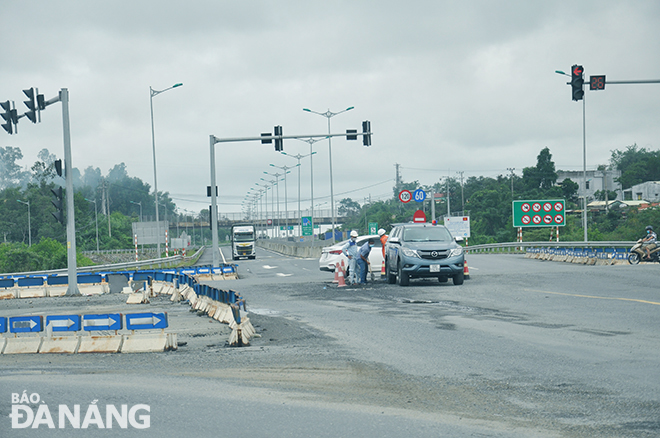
(331, 255)
(417, 250)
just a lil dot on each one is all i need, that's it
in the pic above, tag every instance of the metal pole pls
(153, 146)
(212, 214)
(72, 271)
(584, 165)
(29, 222)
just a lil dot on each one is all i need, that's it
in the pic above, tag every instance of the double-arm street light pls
(29, 224)
(153, 93)
(329, 114)
(298, 157)
(286, 199)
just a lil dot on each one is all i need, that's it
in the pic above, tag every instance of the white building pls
(647, 191)
(596, 180)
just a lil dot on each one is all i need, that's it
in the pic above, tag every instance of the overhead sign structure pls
(405, 196)
(539, 213)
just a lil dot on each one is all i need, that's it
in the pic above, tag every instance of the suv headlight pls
(409, 252)
(456, 252)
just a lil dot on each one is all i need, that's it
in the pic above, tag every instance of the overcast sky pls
(448, 87)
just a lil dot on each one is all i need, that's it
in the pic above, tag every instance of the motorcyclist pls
(648, 242)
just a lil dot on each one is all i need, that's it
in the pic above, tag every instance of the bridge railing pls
(521, 247)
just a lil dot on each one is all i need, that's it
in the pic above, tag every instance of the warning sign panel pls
(535, 213)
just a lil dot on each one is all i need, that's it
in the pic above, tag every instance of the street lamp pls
(511, 169)
(277, 181)
(96, 217)
(140, 204)
(584, 160)
(298, 157)
(153, 93)
(29, 224)
(286, 200)
(328, 114)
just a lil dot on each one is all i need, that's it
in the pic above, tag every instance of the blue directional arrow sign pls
(144, 321)
(3, 324)
(106, 321)
(64, 323)
(25, 324)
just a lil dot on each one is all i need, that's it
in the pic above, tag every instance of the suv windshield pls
(426, 234)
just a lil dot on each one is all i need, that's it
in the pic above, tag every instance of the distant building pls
(596, 180)
(646, 191)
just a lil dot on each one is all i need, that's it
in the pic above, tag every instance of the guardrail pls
(521, 247)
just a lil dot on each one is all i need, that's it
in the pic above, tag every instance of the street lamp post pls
(29, 224)
(329, 114)
(286, 200)
(153, 93)
(96, 218)
(584, 160)
(265, 190)
(298, 157)
(277, 181)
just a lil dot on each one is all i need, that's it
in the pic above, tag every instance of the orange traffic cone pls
(466, 271)
(340, 276)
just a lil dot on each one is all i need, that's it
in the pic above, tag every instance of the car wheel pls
(404, 279)
(391, 278)
(443, 279)
(458, 279)
(633, 258)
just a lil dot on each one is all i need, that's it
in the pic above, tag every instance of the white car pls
(331, 255)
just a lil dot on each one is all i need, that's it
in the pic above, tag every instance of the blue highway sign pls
(64, 323)
(3, 324)
(25, 324)
(144, 321)
(107, 321)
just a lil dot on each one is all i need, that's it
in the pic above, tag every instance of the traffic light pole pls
(70, 215)
(213, 140)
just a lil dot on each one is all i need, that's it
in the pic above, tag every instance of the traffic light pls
(59, 205)
(366, 133)
(31, 104)
(10, 115)
(279, 147)
(577, 81)
(58, 167)
(351, 134)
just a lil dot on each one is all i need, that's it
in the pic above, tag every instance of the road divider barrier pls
(584, 256)
(101, 332)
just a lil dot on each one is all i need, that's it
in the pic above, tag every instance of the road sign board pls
(458, 226)
(64, 323)
(373, 227)
(25, 324)
(419, 195)
(307, 229)
(106, 321)
(405, 196)
(539, 213)
(144, 321)
(3, 324)
(419, 216)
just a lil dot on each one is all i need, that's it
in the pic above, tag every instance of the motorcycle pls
(638, 254)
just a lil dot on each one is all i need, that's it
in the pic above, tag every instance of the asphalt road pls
(523, 349)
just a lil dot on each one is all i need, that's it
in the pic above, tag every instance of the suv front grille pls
(433, 255)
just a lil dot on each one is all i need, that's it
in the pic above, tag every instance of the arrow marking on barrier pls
(21, 324)
(63, 323)
(102, 322)
(142, 321)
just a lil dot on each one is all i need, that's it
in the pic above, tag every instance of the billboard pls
(539, 213)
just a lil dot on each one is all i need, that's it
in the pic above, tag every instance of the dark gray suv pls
(417, 250)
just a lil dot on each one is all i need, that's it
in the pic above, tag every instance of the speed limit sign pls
(405, 196)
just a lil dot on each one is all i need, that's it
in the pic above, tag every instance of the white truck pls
(243, 241)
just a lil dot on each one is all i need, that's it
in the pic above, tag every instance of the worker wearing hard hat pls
(350, 250)
(383, 239)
